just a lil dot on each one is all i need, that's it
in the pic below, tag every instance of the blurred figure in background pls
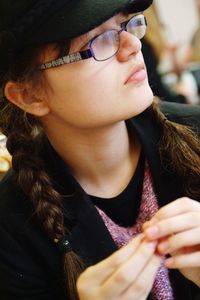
(190, 63)
(154, 49)
(193, 53)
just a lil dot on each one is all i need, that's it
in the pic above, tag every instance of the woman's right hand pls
(129, 273)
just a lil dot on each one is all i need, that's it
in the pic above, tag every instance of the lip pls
(137, 74)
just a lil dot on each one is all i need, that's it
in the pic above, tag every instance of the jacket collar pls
(166, 188)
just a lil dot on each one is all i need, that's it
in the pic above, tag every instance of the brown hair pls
(179, 148)
(179, 145)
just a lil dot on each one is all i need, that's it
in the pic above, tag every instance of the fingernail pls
(163, 247)
(152, 232)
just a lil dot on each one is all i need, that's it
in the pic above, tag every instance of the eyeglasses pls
(104, 45)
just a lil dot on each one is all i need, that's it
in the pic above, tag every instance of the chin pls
(146, 99)
(140, 100)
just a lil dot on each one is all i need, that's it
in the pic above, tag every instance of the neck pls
(102, 160)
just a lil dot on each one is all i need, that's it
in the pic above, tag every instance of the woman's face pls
(89, 93)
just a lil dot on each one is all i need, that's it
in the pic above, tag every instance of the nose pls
(129, 45)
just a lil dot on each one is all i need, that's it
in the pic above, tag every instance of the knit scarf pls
(161, 289)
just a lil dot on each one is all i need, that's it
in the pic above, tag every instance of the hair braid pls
(22, 140)
(179, 150)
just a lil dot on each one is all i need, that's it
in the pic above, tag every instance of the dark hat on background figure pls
(35, 22)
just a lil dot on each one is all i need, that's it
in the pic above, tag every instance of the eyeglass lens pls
(137, 26)
(106, 44)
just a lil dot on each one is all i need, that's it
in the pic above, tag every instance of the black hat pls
(36, 22)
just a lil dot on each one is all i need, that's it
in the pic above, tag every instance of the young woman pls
(102, 198)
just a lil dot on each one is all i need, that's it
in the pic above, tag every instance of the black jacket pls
(31, 265)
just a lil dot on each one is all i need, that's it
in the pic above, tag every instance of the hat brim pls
(80, 16)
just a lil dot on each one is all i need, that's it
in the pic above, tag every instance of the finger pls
(98, 273)
(183, 261)
(148, 224)
(143, 285)
(177, 207)
(173, 225)
(180, 240)
(123, 277)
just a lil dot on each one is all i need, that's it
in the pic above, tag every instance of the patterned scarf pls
(161, 289)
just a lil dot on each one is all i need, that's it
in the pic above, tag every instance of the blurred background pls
(171, 50)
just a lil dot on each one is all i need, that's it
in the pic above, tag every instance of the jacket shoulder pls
(29, 261)
(7, 190)
(186, 114)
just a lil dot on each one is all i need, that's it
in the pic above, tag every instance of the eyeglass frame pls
(88, 53)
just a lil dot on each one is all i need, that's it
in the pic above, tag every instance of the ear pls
(21, 95)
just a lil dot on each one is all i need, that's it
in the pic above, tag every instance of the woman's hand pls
(127, 274)
(176, 226)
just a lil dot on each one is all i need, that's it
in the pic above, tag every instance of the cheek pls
(82, 96)
(87, 85)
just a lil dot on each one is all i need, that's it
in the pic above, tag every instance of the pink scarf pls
(161, 289)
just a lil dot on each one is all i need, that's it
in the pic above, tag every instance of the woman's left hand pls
(177, 228)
